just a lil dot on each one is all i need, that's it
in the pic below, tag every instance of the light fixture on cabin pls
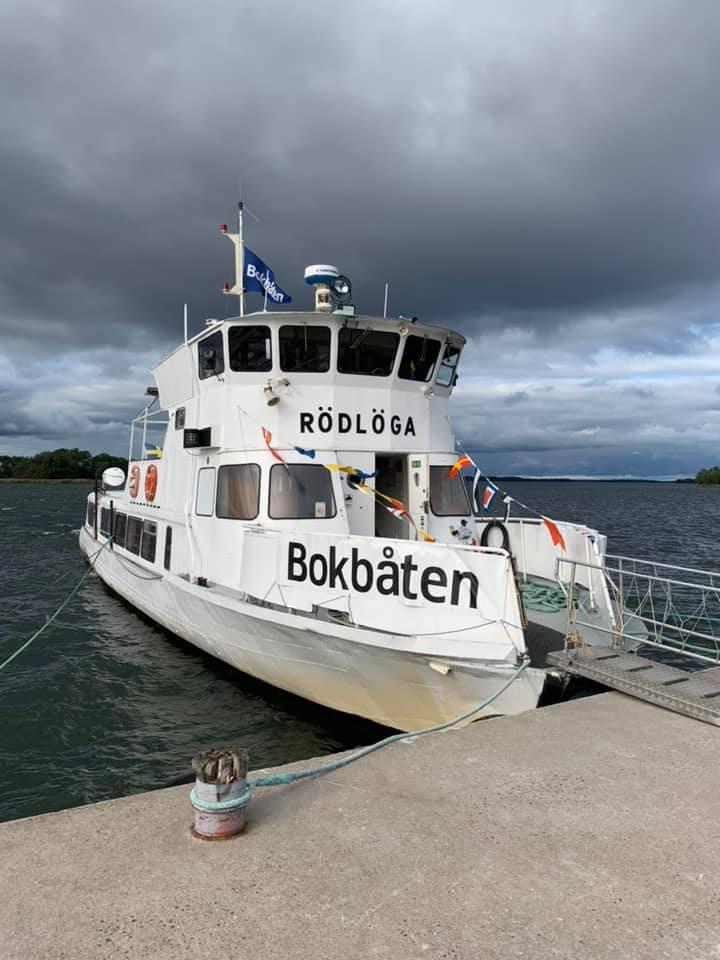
(271, 397)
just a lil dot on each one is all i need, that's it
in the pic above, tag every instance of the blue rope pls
(276, 779)
(59, 610)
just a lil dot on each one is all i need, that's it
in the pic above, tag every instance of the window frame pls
(449, 345)
(200, 486)
(120, 521)
(131, 521)
(145, 530)
(344, 332)
(203, 373)
(232, 466)
(167, 551)
(433, 366)
(268, 337)
(459, 479)
(305, 327)
(300, 466)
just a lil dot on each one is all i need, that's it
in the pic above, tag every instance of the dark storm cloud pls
(548, 169)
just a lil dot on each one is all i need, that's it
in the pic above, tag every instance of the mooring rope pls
(548, 599)
(91, 560)
(276, 779)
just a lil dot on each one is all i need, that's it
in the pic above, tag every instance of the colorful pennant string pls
(305, 453)
(491, 489)
(464, 461)
(267, 437)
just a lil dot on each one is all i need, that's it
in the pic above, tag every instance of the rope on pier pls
(91, 560)
(276, 779)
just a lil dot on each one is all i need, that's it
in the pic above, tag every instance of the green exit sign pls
(415, 464)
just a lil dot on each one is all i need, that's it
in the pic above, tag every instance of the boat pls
(295, 506)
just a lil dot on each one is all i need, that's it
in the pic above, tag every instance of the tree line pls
(61, 464)
(708, 475)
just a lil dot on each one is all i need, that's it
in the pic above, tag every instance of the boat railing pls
(660, 605)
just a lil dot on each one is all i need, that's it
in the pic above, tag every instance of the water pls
(104, 704)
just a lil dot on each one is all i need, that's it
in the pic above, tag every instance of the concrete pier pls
(588, 829)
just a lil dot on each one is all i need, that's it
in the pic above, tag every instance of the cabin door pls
(391, 480)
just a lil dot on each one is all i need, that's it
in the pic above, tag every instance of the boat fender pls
(134, 480)
(498, 525)
(151, 480)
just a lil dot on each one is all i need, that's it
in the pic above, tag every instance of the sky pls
(544, 177)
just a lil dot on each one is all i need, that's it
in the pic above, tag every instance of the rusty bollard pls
(221, 794)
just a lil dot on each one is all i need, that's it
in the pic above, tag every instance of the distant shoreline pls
(85, 480)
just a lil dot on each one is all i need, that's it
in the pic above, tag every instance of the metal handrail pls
(636, 587)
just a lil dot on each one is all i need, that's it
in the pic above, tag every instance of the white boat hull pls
(350, 669)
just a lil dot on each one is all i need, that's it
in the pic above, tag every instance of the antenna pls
(185, 322)
(387, 289)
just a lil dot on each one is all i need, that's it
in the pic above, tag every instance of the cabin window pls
(366, 351)
(304, 349)
(448, 496)
(418, 359)
(238, 491)
(168, 547)
(300, 492)
(448, 366)
(91, 513)
(120, 525)
(180, 418)
(149, 541)
(211, 357)
(134, 534)
(105, 521)
(249, 349)
(205, 492)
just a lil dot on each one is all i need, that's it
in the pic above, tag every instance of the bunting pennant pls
(464, 461)
(488, 493)
(555, 535)
(305, 453)
(267, 437)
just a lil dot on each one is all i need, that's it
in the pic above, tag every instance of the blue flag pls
(259, 278)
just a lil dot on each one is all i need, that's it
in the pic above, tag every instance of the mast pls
(238, 288)
(240, 260)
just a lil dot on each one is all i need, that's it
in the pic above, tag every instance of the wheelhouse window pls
(448, 496)
(91, 513)
(419, 358)
(448, 366)
(238, 491)
(134, 534)
(105, 521)
(300, 492)
(249, 348)
(304, 348)
(149, 541)
(365, 351)
(211, 356)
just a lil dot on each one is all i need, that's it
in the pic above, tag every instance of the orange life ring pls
(151, 479)
(134, 480)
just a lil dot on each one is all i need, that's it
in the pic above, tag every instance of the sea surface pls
(104, 704)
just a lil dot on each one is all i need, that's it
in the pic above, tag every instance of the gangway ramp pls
(693, 693)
